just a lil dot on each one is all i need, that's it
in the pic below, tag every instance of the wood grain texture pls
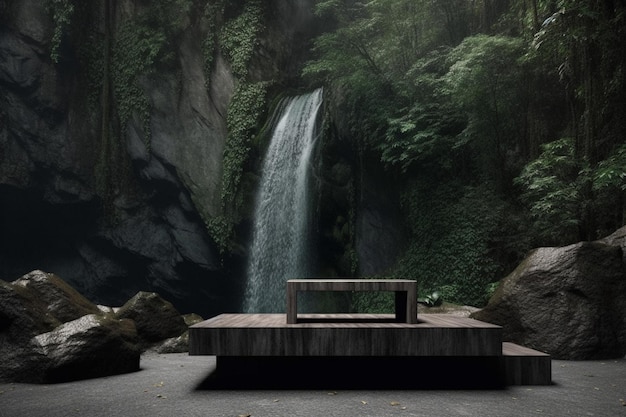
(270, 335)
(319, 341)
(525, 366)
(405, 293)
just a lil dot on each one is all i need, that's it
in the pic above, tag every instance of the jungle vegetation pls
(504, 120)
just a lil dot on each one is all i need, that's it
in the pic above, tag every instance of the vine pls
(140, 45)
(239, 37)
(451, 249)
(212, 13)
(136, 50)
(244, 115)
(62, 12)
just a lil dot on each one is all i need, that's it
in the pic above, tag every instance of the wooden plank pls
(525, 366)
(269, 335)
(352, 284)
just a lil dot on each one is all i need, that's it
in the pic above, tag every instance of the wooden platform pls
(343, 344)
(525, 366)
(343, 335)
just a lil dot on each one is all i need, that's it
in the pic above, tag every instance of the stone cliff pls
(115, 118)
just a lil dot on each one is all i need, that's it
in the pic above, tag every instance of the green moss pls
(213, 12)
(239, 37)
(244, 118)
(221, 230)
(135, 52)
(62, 12)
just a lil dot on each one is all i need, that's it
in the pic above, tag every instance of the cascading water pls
(279, 245)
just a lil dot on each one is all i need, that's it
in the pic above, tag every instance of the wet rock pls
(91, 346)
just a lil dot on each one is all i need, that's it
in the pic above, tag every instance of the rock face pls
(126, 212)
(568, 301)
(51, 333)
(121, 206)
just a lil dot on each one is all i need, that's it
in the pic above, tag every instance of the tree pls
(552, 189)
(483, 80)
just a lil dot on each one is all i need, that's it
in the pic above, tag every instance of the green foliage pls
(244, 118)
(552, 188)
(140, 45)
(432, 300)
(484, 82)
(239, 37)
(374, 302)
(213, 11)
(451, 243)
(221, 230)
(611, 172)
(561, 190)
(135, 52)
(62, 12)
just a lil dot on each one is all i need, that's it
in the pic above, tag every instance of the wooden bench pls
(405, 293)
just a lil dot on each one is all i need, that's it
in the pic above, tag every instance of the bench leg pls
(411, 306)
(406, 307)
(292, 305)
(401, 307)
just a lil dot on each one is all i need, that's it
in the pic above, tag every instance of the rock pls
(91, 346)
(62, 301)
(568, 301)
(51, 333)
(447, 308)
(21, 314)
(178, 344)
(21, 318)
(155, 318)
(107, 309)
(617, 238)
(192, 318)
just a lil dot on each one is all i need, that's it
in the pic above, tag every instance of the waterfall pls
(279, 248)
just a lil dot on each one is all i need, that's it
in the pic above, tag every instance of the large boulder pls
(61, 300)
(51, 333)
(567, 301)
(155, 318)
(22, 315)
(178, 344)
(91, 346)
(21, 318)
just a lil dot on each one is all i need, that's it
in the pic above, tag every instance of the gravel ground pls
(175, 385)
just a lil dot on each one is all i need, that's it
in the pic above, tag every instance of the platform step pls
(525, 366)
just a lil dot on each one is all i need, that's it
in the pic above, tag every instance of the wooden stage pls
(356, 350)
